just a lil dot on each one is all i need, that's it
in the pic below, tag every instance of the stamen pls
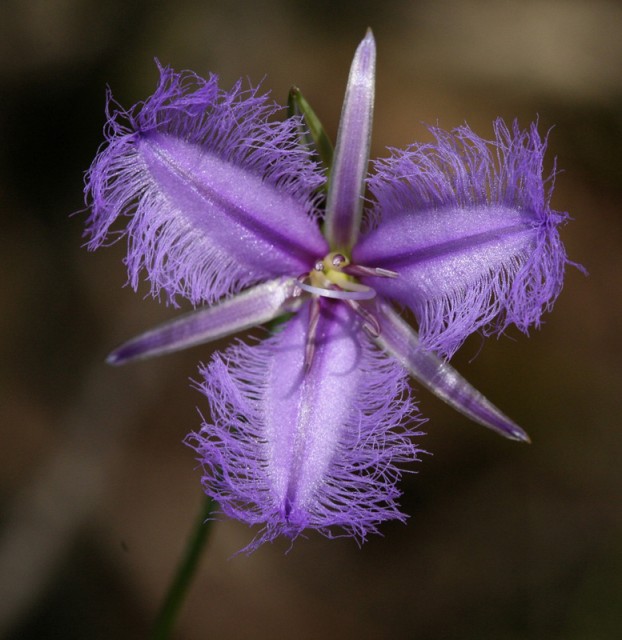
(371, 326)
(360, 293)
(314, 317)
(386, 273)
(297, 290)
(339, 260)
(379, 272)
(332, 277)
(348, 285)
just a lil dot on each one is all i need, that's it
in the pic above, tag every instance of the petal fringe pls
(467, 224)
(291, 451)
(218, 195)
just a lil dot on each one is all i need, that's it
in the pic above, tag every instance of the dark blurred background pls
(97, 491)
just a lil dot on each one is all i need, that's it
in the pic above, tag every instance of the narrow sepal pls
(254, 306)
(346, 185)
(400, 340)
(466, 223)
(293, 449)
(217, 195)
(313, 134)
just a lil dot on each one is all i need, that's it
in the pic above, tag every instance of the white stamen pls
(365, 293)
(370, 323)
(314, 318)
(338, 260)
(379, 272)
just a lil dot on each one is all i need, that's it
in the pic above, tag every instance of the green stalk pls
(316, 137)
(178, 589)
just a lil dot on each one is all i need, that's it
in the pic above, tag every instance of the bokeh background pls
(97, 491)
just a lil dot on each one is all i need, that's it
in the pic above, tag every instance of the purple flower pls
(225, 206)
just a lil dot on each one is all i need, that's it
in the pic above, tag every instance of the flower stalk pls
(178, 589)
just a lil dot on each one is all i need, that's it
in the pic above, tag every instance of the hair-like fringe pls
(359, 490)
(462, 170)
(236, 126)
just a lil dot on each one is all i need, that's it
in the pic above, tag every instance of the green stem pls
(178, 590)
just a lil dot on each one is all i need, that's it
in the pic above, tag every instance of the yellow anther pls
(335, 260)
(328, 279)
(328, 272)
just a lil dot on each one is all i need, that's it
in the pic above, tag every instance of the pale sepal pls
(346, 185)
(400, 340)
(255, 306)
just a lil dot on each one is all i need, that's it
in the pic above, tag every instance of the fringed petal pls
(257, 305)
(400, 340)
(294, 451)
(218, 197)
(346, 186)
(467, 225)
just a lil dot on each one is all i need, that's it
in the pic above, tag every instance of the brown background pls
(97, 492)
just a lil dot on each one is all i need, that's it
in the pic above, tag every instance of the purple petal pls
(467, 225)
(217, 197)
(347, 179)
(254, 306)
(402, 342)
(292, 451)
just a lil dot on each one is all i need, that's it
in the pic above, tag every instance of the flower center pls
(335, 277)
(329, 278)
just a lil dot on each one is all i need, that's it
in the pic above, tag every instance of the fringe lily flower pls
(224, 206)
